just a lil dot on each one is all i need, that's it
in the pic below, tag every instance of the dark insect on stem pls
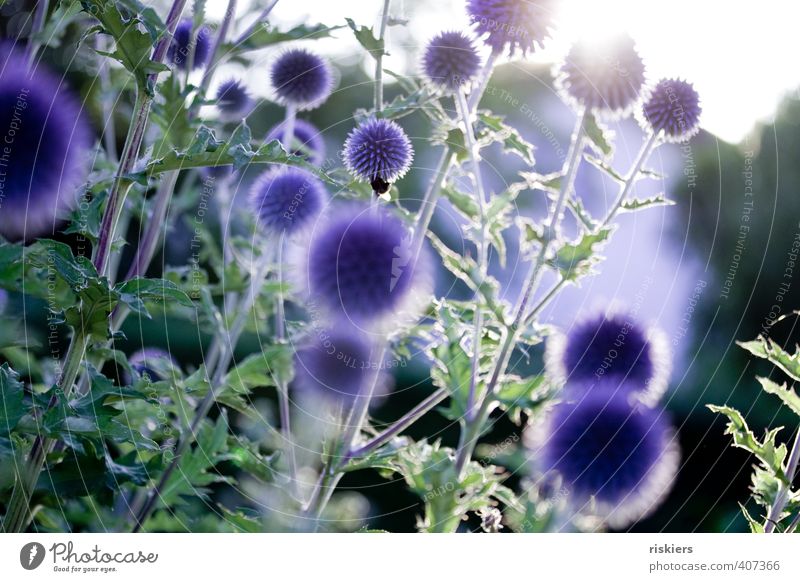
(379, 185)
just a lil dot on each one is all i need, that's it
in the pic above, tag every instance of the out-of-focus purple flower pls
(46, 141)
(217, 172)
(605, 77)
(336, 364)
(286, 199)
(379, 152)
(617, 461)
(3, 300)
(151, 362)
(612, 348)
(301, 78)
(186, 45)
(233, 100)
(451, 61)
(513, 25)
(359, 265)
(673, 108)
(306, 136)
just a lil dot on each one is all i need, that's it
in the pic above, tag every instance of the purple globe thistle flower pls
(618, 461)
(302, 79)
(379, 152)
(605, 78)
(336, 364)
(673, 108)
(306, 136)
(611, 348)
(151, 362)
(512, 24)
(185, 45)
(286, 199)
(359, 265)
(46, 142)
(233, 100)
(451, 61)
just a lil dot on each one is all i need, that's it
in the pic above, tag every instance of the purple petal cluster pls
(233, 100)
(614, 348)
(46, 142)
(617, 460)
(359, 266)
(673, 108)
(286, 199)
(512, 25)
(186, 45)
(335, 364)
(301, 78)
(603, 77)
(378, 151)
(306, 136)
(451, 61)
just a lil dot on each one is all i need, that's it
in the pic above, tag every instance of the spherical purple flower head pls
(379, 152)
(46, 141)
(512, 24)
(186, 45)
(301, 78)
(233, 100)
(336, 364)
(286, 199)
(673, 108)
(359, 266)
(605, 77)
(151, 362)
(614, 347)
(306, 136)
(451, 61)
(618, 461)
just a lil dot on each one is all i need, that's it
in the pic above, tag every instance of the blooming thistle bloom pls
(612, 348)
(46, 144)
(604, 77)
(185, 44)
(359, 265)
(286, 199)
(673, 107)
(233, 100)
(617, 460)
(306, 136)
(451, 61)
(152, 362)
(512, 24)
(336, 364)
(302, 79)
(379, 152)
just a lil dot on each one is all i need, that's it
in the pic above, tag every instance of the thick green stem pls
(776, 511)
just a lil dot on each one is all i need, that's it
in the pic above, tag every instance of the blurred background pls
(716, 267)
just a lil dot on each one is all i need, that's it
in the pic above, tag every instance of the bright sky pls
(739, 54)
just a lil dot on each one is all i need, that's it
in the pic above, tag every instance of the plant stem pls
(630, 179)
(39, 18)
(18, 514)
(483, 250)
(214, 57)
(379, 59)
(428, 206)
(203, 409)
(782, 497)
(250, 29)
(483, 81)
(288, 127)
(472, 431)
(400, 424)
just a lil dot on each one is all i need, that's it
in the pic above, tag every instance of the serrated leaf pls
(597, 136)
(265, 34)
(575, 260)
(12, 405)
(789, 397)
(633, 204)
(136, 292)
(366, 38)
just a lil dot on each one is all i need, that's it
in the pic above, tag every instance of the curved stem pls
(630, 180)
(379, 59)
(472, 432)
(261, 17)
(782, 497)
(483, 249)
(483, 81)
(39, 18)
(400, 424)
